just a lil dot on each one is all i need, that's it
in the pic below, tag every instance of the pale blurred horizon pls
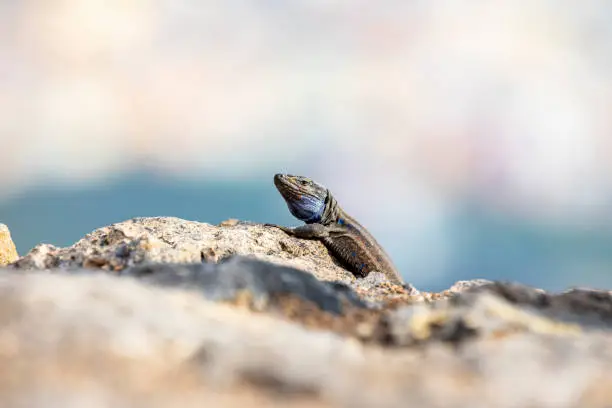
(445, 127)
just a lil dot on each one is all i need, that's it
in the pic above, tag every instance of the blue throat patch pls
(308, 209)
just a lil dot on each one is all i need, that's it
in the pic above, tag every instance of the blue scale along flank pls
(326, 221)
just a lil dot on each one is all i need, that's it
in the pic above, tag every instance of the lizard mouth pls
(278, 178)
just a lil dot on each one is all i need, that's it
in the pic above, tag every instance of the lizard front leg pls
(307, 231)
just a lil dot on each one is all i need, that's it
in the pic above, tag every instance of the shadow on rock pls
(239, 276)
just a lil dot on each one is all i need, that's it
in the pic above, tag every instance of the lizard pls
(326, 221)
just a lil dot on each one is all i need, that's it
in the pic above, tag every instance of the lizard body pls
(326, 221)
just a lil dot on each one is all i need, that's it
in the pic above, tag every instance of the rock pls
(42, 256)
(265, 287)
(379, 290)
(165, 312)
(155, 248)
(8, 252)
(499, 309)
(173, 240)
(511, 291)
(587, 307)
(231, 222)
(87, 338)
(464, 285)
(484, 316)
(262, 282)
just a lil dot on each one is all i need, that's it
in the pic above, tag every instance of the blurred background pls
(474, 139)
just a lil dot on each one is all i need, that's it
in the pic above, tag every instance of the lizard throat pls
(307, 209)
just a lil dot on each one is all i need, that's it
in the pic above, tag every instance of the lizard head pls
(305, 198)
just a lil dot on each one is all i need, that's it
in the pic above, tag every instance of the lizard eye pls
(304, 182)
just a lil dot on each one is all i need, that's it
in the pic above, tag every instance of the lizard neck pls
(332, 210)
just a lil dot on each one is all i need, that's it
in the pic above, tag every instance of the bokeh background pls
(474, 139)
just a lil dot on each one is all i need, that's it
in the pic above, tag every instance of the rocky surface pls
(262, 281)
(8, 252)
(173, 240)
(161, 312)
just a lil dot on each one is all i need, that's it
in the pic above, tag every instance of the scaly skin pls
(345, 238)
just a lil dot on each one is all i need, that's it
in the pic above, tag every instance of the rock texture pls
(8, 252)
(140, 315)
(261, 280)
(173, 240)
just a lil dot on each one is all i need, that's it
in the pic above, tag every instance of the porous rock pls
(378, 289)
(173, 240)
(169, 240)
(8, 252)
